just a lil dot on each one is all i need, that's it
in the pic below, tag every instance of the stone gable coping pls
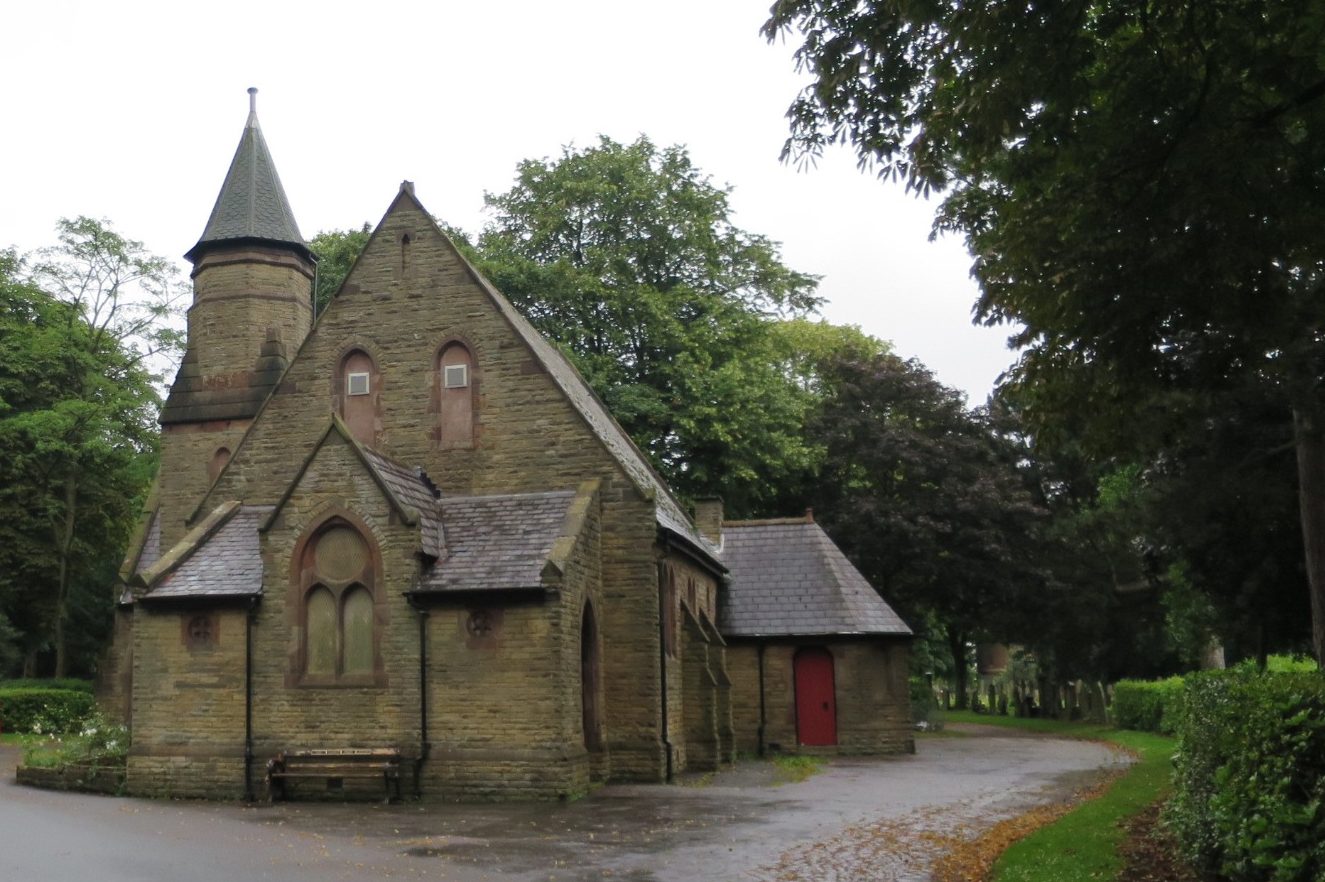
(576, 515)
(184, 549)
(408, 514)
(141, 534)
(226, 565)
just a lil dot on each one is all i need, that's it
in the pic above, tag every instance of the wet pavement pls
(858, 819)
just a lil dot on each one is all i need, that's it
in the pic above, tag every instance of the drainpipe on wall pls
(249, 617)
(761, 698)
(662, 660)
(425, 746)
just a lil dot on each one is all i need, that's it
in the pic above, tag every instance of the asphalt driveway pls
(856, 820)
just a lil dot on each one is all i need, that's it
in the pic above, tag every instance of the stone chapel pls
(407, 523)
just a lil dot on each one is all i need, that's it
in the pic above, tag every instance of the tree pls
(1140, 184)
(336, 252)
(926, 498)
(79, 336)
(625, 255)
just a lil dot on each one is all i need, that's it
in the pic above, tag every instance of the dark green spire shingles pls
(252, 205)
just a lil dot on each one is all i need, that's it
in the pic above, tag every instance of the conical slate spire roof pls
(252, 204)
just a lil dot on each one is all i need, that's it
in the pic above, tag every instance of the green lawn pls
(1083, 844)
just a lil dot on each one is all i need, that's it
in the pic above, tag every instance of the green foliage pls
(1160, 307)
(1279, 664)
(11, 639)
(1250, 776)
(625, 255)
(336, 252)
(1083, 844)
(44, 711)
(95, 741)
(926, 497)
(79, 334)
(66, 683)
(924, 706)
(794, 768)
(1148, 705)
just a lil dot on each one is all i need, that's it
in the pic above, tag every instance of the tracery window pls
(337, 583)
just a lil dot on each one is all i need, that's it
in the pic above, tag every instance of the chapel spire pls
(252, 308)
(252, 206)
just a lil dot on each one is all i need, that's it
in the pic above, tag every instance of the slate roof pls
(152, 546)
(252, 203)
(497, 542)
(788, 578)
(412, 488)
(226, 563)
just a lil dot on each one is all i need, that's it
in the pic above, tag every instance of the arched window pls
(357, 619)
(591, 720)
(337, 577)
(455, 381)
(358, 394)
(321, 632)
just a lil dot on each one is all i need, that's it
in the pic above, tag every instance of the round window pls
(341, 555)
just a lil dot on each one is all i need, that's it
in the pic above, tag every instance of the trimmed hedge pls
(1148, 705)
(44, 711)
(1249, 801)
(50, 683)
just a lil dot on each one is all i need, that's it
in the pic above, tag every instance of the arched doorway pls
(589, 680)
(816, 699)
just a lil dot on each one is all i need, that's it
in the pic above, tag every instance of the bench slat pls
(332, 763)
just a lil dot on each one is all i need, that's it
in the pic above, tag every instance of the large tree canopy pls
(1141, 185)
(79, 332)
(926, 496)
(626, 256)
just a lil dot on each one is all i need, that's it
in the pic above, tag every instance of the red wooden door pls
(816, 704)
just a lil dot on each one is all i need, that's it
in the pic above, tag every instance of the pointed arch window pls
(358, 395)
(340, 619)
(456, 391)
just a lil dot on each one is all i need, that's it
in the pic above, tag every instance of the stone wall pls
(84, 779)
(188, 704)
(187, 450)
(242, 297)
(687, 590)
(870, 679)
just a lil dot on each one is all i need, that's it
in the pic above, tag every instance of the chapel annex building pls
(410, 524)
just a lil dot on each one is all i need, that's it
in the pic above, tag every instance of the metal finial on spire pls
(252, 99)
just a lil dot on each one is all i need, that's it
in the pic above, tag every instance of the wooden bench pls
(335, 764)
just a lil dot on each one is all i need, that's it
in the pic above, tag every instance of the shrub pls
(42, 711)
(1147, 705)
(65, 683)
(1249, 801)
(1280, 664)
(924, 707)
(97, 743)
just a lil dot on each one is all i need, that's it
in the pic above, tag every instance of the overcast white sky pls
(131, 111)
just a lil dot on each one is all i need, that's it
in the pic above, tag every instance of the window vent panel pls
(455, 376)
(357, 384)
